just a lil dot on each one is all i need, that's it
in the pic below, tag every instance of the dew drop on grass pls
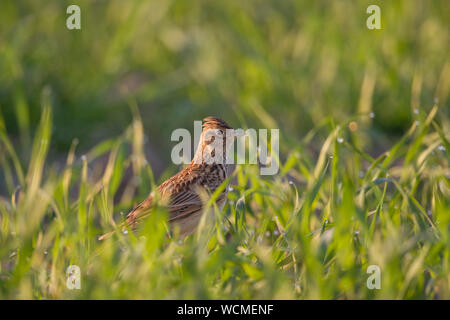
(267, 234)
(330, 156)
(290, 182)
(416, 111)
(83, 158)
(441, 148)
(340, 140)
(230, 189)
(276, 233)
(125, 231)
(372, 115)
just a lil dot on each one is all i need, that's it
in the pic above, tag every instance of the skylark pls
(182, 193)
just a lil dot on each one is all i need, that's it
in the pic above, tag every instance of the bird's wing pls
(187, 198)
(182, 200)
(181, 192)
(139, 212)
(184, 203)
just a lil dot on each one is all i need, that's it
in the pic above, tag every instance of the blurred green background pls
(374, 190)
(285, 64)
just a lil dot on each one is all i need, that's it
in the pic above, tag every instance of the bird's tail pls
(139, 212)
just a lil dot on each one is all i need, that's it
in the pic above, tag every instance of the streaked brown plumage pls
(182, 192)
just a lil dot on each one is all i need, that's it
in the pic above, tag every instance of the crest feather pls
(215, 123)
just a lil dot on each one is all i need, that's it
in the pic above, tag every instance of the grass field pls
(85, 123)
(309, 232)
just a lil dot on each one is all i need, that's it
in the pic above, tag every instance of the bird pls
(183, 192)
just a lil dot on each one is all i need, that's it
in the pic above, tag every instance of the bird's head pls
(216, 139)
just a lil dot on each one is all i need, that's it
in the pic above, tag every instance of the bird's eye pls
(220, 132)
